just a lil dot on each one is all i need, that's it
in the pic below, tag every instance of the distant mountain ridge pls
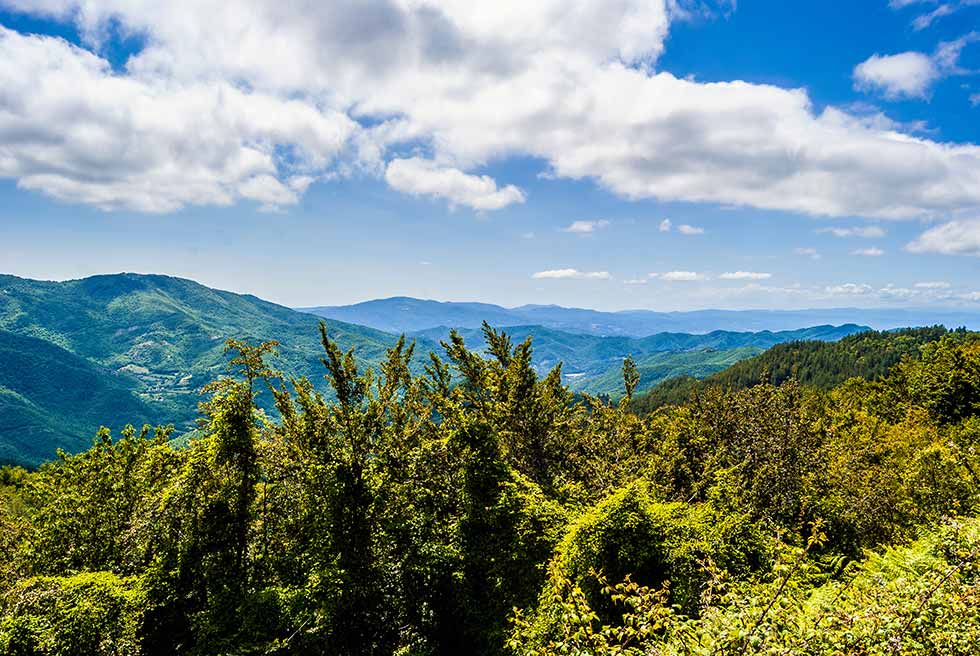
(592, 363)
(412, 315)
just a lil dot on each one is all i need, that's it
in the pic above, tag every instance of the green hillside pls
(51, 398)
(657, 367)
(149, 344)
(823, 365)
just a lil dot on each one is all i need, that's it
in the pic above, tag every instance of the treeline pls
(479, 508)
(820, 364)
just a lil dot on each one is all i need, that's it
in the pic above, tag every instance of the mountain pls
(593, 364)
(144, 345)
(128, 348)
(402, 314)
(824, 365)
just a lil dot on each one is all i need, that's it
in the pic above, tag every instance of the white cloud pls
(953, 238)
(870, 232)
(665, 225)
(907, 74)
(226, 91)
(419, 176)
(679, 276)
(808, 252)
(685, 229)
(585, 227)
(923, 21)
(873, 251)
(636, 281)
(850, 289)
(932, 285)
(72, 129)
(571, 274)
(911, 74)
(745, 275)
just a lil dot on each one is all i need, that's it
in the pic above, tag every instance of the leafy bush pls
(94, 613)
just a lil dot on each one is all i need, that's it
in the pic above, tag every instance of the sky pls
(612, 154)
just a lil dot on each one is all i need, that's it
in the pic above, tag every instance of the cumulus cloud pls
(665, 225)
(585, 227)
(932, 285)
(910, 74)
(419, 176)
(869, 232)
(679, 276)
(571, 274)
(873, 251)
(223, 93)
(811, 253)
(685, 229)
(907, 74)
(953, 238)
(72, 129)
(745, 275)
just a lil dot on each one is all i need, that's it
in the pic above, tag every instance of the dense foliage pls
(481, 508)
(820, 364)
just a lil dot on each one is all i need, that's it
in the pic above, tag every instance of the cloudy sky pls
(663, 154)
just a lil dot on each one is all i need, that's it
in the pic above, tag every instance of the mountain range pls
(594, 364)
(131, 348)
(403, 314)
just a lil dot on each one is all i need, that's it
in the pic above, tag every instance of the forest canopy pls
(480, 508)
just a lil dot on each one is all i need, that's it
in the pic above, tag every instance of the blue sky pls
(617, 154)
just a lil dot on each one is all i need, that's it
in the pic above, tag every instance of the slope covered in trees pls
(501, 516)
(147, 343)
(51, 398)
(818, 364)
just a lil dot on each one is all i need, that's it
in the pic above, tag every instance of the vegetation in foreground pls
(479, 508)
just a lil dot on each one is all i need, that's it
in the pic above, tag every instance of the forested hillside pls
(51, 398)
(824, 365)
(143, 346)
(500, 515)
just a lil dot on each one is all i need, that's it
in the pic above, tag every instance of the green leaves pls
(482, 508)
